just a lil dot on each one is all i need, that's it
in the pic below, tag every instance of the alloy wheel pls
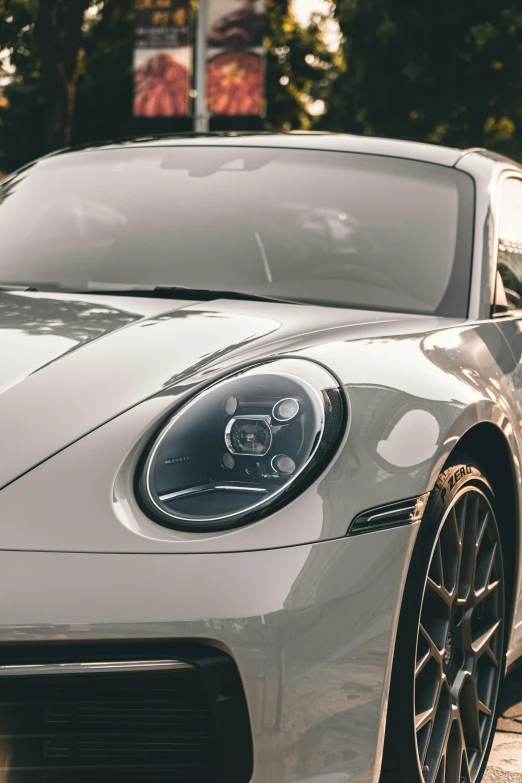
(459, 643)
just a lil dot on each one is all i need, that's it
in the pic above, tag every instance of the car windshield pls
(332, 228)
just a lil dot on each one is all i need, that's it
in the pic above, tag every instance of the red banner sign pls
(162, 58)
(236, 58)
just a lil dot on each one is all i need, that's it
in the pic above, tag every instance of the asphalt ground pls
(505, 765)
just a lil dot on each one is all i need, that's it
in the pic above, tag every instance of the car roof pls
(335, 142)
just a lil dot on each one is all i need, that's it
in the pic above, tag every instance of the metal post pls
(200, 104)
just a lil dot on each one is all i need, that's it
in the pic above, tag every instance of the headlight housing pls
(247, 444)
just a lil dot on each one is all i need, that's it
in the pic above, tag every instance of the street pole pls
(200, 104)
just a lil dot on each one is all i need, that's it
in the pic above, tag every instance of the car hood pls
(70, 363)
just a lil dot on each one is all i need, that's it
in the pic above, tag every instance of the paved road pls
(505, 765)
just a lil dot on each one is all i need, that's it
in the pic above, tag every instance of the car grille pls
(131, 722)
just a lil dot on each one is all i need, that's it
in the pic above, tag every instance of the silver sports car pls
(261, 473)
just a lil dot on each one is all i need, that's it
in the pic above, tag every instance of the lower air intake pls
(141, 726)
(118, 723)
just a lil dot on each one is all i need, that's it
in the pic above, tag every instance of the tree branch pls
(73, 37)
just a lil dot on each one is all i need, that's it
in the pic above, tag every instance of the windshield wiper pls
(158, 291)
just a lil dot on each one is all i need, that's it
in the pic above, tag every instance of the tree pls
(446, 72)
(58, 32)
(45, 40)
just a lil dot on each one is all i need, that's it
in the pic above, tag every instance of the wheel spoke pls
(436, 574)
(434, 650)
(421, 663)
(424, 717)
(440, 590)
(468, 562)
(482, 643)
(469, 714)
(426, 722)
(484, 708)
(484, 592)
(484, 585)
(492, 657)
(453, 526)
(483, 523)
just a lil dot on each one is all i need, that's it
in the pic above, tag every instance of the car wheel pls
(449, 652)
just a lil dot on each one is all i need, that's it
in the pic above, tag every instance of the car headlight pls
(242, 446)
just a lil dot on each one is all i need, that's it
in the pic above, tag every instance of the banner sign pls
(162, 58)
(236, 58)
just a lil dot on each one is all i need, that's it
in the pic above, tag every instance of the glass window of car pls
(509, 262)
(333, 228)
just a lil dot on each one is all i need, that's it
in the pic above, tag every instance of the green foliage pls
(21, 108)
(16, 32)
(447, 72)
(301, 56)
(103, 101)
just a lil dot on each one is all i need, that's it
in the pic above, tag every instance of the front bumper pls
(310, 627)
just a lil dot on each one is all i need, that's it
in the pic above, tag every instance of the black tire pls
(445, 676)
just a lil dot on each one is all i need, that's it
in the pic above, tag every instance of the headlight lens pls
(247, 443)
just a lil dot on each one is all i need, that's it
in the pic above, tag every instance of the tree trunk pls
(58, 33)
